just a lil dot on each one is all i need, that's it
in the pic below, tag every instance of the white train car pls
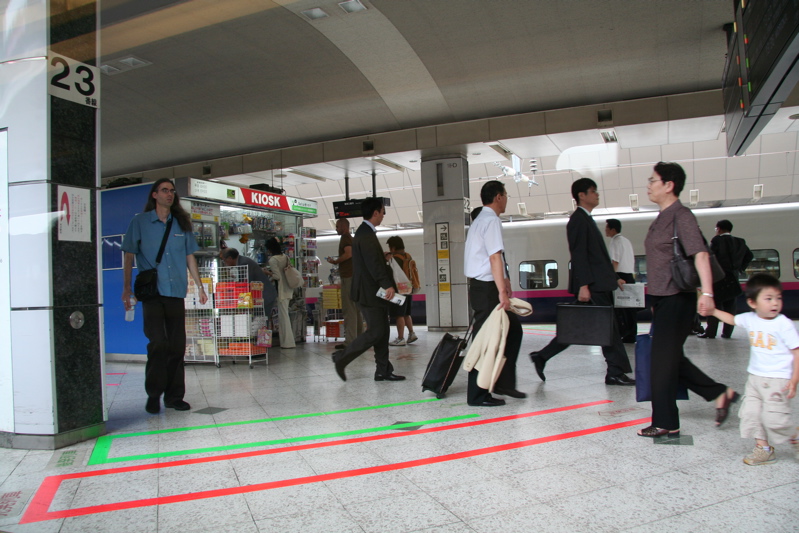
(538, 255)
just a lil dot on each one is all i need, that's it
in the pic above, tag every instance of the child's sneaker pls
(397, 342)
(759, 456)
(412, 337)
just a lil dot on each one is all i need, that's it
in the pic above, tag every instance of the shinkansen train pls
(538, 255)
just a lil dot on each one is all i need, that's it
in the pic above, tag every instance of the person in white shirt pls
(621, 255)
(773, 369)
(489, 286)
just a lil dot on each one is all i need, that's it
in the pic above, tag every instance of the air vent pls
(693, 197)
(352, 6)
(123, 64)
(609, 136)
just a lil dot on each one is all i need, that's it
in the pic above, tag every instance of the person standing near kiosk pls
(164, 225)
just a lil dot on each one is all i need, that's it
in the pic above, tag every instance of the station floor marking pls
(38, 510)
(103, 445)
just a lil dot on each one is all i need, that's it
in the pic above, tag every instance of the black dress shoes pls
(178, 405)
(340, 346)
(489, 402)
(705, 336)
(340, 370)
(621, 379)
(513, 393)
(539, 365)
(628, 340)
(153, 405)
(389, 377)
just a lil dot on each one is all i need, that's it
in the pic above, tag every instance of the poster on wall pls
(74, 220)
(6, 385)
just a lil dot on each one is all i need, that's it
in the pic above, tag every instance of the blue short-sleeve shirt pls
(143, 239)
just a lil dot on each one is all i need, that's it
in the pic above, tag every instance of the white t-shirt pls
(621, 251)
(484, 240)
(771, 342)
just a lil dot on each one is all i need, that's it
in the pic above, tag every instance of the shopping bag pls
(585, 324)
(631, 297)
(643, 371)
(404, 285)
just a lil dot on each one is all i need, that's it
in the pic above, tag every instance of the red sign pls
(265, 199)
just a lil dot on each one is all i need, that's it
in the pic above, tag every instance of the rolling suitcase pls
(444, 363)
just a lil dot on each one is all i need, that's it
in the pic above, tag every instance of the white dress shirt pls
(483, 241)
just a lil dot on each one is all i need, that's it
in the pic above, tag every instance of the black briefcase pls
(585, 324)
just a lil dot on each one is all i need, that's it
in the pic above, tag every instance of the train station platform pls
(290, 447)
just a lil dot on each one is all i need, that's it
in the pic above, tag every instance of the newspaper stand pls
(331, 305)
(200, 338)
(239, 310)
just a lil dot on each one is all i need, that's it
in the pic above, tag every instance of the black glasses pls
(164, 189)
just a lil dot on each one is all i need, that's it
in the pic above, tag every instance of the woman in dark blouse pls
(673, 310)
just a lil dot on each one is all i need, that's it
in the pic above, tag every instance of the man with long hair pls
(164, 316)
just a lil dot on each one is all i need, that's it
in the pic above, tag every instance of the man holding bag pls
(164, 224)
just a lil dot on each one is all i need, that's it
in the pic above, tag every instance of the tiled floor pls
(320, 455)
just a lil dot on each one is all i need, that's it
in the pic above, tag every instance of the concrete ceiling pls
(254, 89)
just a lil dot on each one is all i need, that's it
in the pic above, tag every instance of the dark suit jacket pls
(370, 271)
(591, 263)
(725, 248)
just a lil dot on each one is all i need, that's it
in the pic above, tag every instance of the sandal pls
(723, 412)
(652, 431)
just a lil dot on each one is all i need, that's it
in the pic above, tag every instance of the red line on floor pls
(37, 510)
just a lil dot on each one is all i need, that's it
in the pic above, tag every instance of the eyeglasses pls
(652, 180)
(164, 189)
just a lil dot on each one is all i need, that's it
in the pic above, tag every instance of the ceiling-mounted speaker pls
(206, 171)
(368, 147)
(522, 208)
(693, 197)
(574, 204)
(420, 216)
(634, 202)
(757, 192)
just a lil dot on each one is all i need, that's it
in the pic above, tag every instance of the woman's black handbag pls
(145, 287)
(683, 270)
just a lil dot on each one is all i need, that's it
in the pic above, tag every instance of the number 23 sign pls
(73, 80)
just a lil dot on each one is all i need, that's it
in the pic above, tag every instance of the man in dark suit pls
(370, 274)
(733, 256)
(591, 278)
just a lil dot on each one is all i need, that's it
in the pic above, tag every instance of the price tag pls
(73, 80)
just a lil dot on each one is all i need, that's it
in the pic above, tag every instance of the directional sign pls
(443, 272)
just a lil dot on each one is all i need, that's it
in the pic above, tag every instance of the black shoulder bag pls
(683, 271)
(145, 288)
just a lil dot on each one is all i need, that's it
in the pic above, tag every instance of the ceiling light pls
(109, 70)
(634, 202)
(308, 175)
(123, 64)
(352, 6)
(413, 161)
(476, 153)
(315, 13)
(794, 117)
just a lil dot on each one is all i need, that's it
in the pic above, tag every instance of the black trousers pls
(627, 317)
(673, 318)
(165, 328)
(615, 355)
(375, 336)
(713, 322)
(484, 298)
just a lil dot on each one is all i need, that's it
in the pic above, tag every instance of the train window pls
(640, 269)
(765, 261)
(542, 274)
(796, 263)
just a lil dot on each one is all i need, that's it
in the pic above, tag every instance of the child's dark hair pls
(758, 282)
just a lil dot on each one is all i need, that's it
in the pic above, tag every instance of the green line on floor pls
(279, 441)
(103, 445)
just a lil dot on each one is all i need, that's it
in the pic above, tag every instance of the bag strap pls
(163, 241)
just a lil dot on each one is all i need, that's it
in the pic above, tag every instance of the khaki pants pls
(765, 410)
(353, 321)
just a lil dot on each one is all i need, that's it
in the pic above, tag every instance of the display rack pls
(331, 307)
(200, 340)
(307, 255)
(239, 316)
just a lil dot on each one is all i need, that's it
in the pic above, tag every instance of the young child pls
(773, 369)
